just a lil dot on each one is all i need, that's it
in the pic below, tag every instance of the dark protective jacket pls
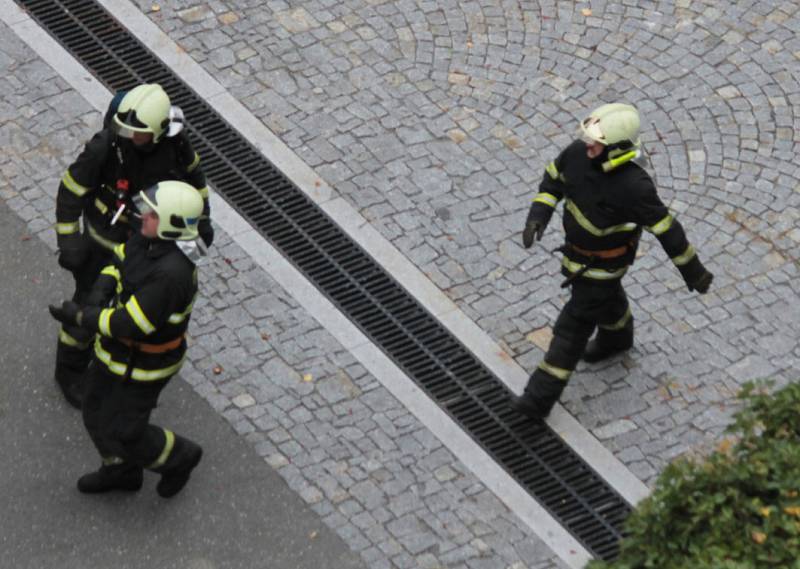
(145, 297)
(605, 211)
(91, 185)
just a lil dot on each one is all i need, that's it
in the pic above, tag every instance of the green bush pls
(737, 509)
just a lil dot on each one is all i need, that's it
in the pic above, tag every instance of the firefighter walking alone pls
(140, 309)
(608, 200)
(142, 143)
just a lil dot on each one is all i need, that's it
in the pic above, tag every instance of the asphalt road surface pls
(236, 512)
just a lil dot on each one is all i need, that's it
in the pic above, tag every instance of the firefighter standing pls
(143, 301)
(608, 200)
(142, 143)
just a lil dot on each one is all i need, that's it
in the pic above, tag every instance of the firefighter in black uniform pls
(608, 200)
(142, 304)
(142, 143)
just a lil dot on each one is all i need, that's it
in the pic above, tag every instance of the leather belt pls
(153, 348)
(601, 254)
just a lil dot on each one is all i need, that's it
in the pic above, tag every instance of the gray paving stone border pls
(434, 120)
(338, 438)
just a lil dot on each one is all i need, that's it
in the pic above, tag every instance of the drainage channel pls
(453, 377)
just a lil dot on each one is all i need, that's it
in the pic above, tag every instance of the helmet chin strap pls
(617, 161)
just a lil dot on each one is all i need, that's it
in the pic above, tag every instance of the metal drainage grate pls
(452, 376)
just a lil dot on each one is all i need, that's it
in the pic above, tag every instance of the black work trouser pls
(73, 351)
(592, 304)
(116, 413)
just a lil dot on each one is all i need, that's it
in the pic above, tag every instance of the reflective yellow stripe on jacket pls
(194, 164)
(547, 199)
(105, 243)
(178, 317)
(68, 228)
(597, 274)
(73, 186)
(662, 226)
(113, 271)
(584, 222)
(137, 374)
(553, 172)
(138, 315)
(104, 322)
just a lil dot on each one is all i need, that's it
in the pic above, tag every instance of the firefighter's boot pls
(125, 476)
(528, 406)
(176, 471)
(609, 342)
(539, 397)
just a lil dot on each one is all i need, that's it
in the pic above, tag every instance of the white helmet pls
(178, 206)
(145, 108)
(613, 124)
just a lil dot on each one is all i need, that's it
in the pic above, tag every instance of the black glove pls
(206, 231)
(533, 232)
(701, 283)
(74, 256)
(68, 313)
(697, 277)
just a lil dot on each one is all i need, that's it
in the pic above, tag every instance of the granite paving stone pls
(434, 121)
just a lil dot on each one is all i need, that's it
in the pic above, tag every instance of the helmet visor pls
(126, 125)
(144, 203)
(590, 131)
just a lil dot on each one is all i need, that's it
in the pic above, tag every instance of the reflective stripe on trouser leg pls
(72, 355)
(570, 335)
(169, 444)
(619, 324)
(616, 330)
(173, 453)
(64, 337)
(117, 416)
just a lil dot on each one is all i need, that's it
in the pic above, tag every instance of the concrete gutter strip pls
(407, 274)
(402, 387)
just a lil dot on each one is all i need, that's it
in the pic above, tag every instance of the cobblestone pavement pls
(435, 119)
(367, 466)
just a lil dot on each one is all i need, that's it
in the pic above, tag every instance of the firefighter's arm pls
(105, 287)
(651, 213)
(109, 281)
(75, 188)
(143, 313)
(195, 176)
(551, 191)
